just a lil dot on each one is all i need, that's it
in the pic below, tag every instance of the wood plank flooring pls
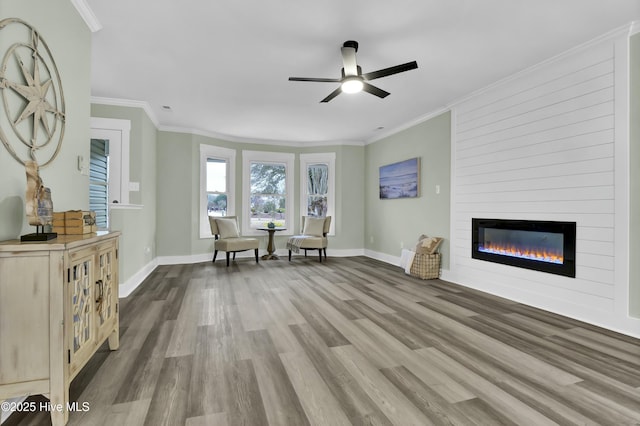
(349, 341)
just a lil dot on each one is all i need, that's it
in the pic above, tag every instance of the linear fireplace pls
(539, 245)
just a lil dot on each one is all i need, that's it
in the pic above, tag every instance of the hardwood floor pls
(348, 341)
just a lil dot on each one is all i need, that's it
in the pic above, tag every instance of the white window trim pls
(229, 155)
(106, 128)
(270, 157)
(328, 158)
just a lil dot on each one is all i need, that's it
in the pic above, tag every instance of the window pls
(268, 193)
(99, 181)
(267, 190)
(317, 185)
(108, 167)
(217, 185)
(317, 189)
(116, 132)
(217, 191)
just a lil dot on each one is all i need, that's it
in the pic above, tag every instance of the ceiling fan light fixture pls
(352, 85)
(353, 80)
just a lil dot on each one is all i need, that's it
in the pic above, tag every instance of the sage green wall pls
(138, 226)
(69, 40)
(392, 224)
(350, 207)
(634, 177)
(179, 202)
(174, 202)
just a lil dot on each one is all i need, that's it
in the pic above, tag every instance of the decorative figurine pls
(39, 205)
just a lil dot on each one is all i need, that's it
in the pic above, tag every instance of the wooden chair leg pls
(305, 252)
(256, 252)
(325, 253)
(228, 255)
(289, 255)
(234, 255)
(320, 254)
(215, 253)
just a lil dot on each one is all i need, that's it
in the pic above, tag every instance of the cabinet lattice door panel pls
(106, 290)
(58, 304)
(81, 314)
(81, 305)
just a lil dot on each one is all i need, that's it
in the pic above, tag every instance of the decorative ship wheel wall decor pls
(33, 120)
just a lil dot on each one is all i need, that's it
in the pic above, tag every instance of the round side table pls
(271, 246)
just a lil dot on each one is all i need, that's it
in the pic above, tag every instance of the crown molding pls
(634, 28)
(407, 125)
(87, 15)
(214, 135)
(128, 103)
(239, 139)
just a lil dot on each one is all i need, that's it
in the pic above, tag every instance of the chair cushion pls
(237, 244)
(313, 243)
(313, 226)
(228, 228)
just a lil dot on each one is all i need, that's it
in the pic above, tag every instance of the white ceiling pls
(223, 65)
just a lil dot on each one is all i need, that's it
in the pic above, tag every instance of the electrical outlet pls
(401, 244)
(437, 189)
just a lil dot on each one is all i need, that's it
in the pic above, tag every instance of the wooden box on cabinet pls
(58, 304)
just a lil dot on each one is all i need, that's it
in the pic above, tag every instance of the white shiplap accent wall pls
(543, 145)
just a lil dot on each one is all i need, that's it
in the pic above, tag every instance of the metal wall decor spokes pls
(31, 92)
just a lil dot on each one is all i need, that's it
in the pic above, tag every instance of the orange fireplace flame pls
(533, 254)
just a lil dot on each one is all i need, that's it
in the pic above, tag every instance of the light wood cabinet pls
(58, 304)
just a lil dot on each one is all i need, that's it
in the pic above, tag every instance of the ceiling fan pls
(353, 80)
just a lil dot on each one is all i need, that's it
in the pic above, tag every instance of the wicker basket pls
(426, 266)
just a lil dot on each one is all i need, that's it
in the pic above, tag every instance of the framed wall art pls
(400, 180)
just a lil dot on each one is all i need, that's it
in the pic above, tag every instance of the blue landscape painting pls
(400, 180)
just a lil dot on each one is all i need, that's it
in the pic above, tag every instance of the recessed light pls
(379, 127)
(166, 107)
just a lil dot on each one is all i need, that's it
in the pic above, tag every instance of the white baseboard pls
(445, 275)
(345, 252)
(191, 258)
(206, 257)
(127, 287)
(330, 252)
(384, 257)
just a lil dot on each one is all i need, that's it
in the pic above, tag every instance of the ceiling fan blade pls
(349, 60)
(390, 71)
(319, 80)
(332, 95)
(374, 90)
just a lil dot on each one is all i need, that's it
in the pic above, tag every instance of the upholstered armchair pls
(313, 237)
(228, 239)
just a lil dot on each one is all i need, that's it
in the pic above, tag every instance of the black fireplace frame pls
(567, 268)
